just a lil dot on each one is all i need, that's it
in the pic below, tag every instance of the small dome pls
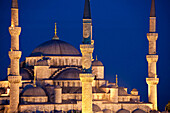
(138, 111)
(55, 48)
(34, 91)
(68, 74)
(123, 111)
(134, 89)
(107, 111)
(97, 63)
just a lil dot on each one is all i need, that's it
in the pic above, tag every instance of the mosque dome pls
(55, 48)
(123, 111)
(34, 91)
(68, 74)
(108, 111)
(139, 111)
(134, 89)
(97, 63)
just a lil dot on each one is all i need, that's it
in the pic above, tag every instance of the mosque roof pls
(34, 91)
(55, 48)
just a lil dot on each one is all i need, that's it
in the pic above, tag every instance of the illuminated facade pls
(57, 78)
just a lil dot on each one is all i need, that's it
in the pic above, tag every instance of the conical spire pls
(87, 10)
(14, 4)
(152, 13)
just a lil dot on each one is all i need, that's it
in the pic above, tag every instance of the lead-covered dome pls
(55, 48)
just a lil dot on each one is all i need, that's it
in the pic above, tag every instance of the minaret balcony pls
(152, 36)
(86, 77)
(152, 58)
(14, 79)
(152, 81)
(15, 54)
(86, 48)
(14, 31)
(87, 20)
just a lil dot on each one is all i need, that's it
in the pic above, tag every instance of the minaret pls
(87, 48)
(14, 78)
(152, 59)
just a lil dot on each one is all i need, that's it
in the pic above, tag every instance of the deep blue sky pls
(119, 31)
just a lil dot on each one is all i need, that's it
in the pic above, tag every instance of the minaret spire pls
(87, 10)
(152, 13)
(14, 4)
(152, 59)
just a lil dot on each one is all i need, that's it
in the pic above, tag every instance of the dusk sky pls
(119, 32)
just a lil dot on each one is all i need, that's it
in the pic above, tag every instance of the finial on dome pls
(96, 57)
(55, 29)
(116, 80)
(55, 33)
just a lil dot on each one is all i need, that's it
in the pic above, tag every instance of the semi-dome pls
(68, 74)
(55, 48)
(26, 75)
(96, 108)
(34, 91)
